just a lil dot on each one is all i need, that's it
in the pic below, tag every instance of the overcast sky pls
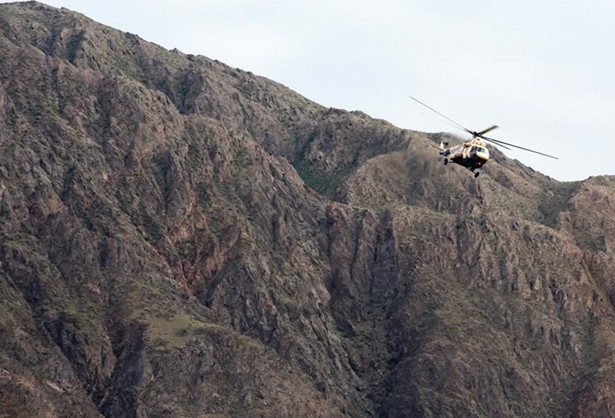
(543, 70)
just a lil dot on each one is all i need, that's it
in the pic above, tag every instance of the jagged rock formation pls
(180, 238)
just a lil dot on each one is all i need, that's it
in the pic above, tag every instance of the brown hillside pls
(179, 238)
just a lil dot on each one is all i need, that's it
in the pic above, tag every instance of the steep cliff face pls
(180, 238)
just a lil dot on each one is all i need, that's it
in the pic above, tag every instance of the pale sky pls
(543, 70)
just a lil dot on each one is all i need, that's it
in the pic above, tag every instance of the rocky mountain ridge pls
(181, 238)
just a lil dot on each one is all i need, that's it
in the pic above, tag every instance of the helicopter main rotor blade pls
(484, 131)
(501, 143)
(444, 116)
(496, 142)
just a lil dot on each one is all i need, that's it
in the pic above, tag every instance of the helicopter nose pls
(482, 155)
(481, 158)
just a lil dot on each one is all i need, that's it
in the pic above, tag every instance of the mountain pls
(179, 238)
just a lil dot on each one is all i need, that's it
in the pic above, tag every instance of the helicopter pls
(473, 153)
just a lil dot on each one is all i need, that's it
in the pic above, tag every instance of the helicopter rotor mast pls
(482, 133)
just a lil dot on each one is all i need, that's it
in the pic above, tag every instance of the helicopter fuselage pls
(472, 154)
